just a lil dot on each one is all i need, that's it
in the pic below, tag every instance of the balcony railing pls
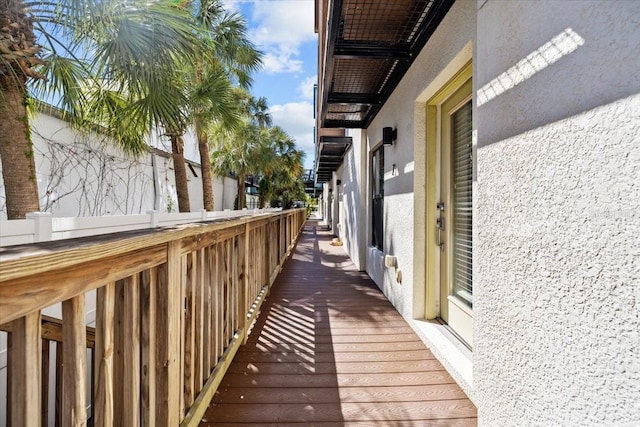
(173, 306)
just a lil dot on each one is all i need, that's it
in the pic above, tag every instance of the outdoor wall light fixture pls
(389, 135)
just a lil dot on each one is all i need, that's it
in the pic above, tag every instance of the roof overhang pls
(331, 151)
(370, 46)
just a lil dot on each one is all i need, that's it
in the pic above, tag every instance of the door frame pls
(453, 310)
(424, 291)
(433, 137)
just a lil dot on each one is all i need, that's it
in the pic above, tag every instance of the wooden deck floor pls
(328, 349)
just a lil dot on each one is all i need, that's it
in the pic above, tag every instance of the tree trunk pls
(205, 165)
(241, 192)
(18, 56)
(16, 151)
(180, 170)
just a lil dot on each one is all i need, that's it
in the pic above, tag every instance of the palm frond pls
(64, 79)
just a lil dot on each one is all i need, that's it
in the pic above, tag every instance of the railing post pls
(149, 329)
(104, 351)
(25, 370)
(43, 225)
(243, 303)
(74, 355)
(127, 309)
(153, 219)
(168, 339)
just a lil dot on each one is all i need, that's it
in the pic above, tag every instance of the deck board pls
(328, 349)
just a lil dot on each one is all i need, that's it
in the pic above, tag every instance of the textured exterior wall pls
(224, 193)
(80, 175)
(353, 218)
(557, 246)
(455, 32)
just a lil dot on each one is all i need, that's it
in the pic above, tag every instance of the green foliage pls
(259, 149)
(113, 64)
(129, 67)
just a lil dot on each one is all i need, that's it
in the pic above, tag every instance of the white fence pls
(41, 227)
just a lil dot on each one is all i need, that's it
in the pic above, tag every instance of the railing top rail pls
(42, 226)
(89, 262)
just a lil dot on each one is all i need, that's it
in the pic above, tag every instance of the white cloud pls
(279, 62)
(306, 87)
(281, 27)
(296, 118)
(284, 23)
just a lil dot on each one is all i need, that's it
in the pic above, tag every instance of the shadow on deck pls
(328, 349)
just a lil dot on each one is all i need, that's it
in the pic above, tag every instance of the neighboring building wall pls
(557, 255)
(81, 175)
(224, 193)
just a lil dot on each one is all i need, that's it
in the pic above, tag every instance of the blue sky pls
(284, 31)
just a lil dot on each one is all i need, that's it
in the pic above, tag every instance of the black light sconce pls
(338, 182)
(389, 135)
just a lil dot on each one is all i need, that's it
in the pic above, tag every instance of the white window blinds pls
(462, 180)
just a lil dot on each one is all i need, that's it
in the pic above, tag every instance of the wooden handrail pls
(52, 330)
(173, 306)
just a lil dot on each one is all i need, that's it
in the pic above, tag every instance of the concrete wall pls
(224, 193)
(83, 175)
(557, 249)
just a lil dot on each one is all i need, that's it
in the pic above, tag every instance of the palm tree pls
(116, 50)
(258, 110)
(238, 151)
(267, 152)
(230, 54)
(253, 110)
(214, 101)
(282, 177)
(244, 149)
(18, 58)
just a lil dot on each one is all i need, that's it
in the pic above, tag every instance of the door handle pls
(440, 226)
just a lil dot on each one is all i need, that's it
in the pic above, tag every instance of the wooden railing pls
(173, 306)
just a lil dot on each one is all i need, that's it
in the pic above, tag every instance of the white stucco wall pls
(354, 187)
(224, 193)
(455, 34)
(83, 175)
(337, 203)
(557, 243)
(455, 31)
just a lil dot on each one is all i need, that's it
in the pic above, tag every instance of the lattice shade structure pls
(371, 44)
(330, 153)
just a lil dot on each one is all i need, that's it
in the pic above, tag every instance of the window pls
(377, 175)
(461, 204)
